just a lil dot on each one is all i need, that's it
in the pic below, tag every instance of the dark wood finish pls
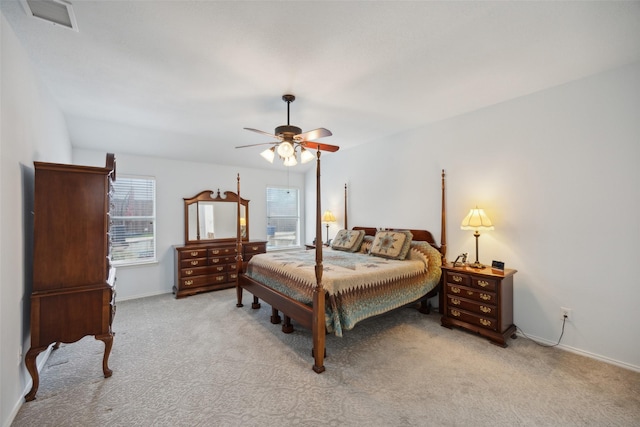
(210, 267)
(314, 317)
(479, 300)
(207, 196)
(73, 281)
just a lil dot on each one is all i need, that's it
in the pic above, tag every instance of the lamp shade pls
(285, 149)
(306, 155)
(476, 219)
(290, 161)
(269, 154)
(328, 216)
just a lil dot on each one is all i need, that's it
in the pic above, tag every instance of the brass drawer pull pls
(220, 268)
(215, 260)
(483, 283)
(194, 262)
(457, 279)
(469, 292)
(455, 301)
(220, 278)
(485, 297)
(455, 313)
(233, 276)
(485, 322)
(215, 251)
(194, 253)
(485, 309)
(188, 272)
(254, 248)
(455, 290)
(188, 282)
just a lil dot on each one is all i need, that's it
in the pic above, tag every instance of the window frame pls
(130, 261)
(297, 217)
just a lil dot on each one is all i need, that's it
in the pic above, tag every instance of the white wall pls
(556, 171)
(32, 129)
(176, 180)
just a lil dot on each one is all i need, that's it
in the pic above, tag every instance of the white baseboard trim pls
(583, 353)
(39, 365)
(150, 294)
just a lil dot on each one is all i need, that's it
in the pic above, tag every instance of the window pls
(133, 220)
(283, 218)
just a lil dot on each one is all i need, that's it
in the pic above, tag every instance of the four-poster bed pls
(332, 300)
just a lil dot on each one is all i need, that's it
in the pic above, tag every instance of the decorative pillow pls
(391, 244)
(348, 240)
(366, 244)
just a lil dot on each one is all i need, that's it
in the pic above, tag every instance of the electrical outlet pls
(566, 312)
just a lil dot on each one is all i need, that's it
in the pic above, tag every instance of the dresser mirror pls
(209, 216)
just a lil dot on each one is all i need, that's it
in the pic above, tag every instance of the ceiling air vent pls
(56, 12)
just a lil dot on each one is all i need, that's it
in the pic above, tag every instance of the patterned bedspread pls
(358, 285)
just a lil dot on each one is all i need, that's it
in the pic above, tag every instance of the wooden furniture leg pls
(275, 316)
(108, 343)
(239, 295)
(30, 362)
(256, 303)
(287, 327)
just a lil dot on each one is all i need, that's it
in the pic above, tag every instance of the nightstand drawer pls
(465, 316)
(458, 279)
(485, 284)
(490, 311)
(472, 293)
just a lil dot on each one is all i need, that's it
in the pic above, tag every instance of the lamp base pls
(477, 265)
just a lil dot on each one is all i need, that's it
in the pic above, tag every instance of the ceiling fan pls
(290, 138)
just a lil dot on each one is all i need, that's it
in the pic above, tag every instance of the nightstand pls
(479, 300)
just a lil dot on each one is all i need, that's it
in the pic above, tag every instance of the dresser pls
(479, 300)
(210, 266)
(73, 292)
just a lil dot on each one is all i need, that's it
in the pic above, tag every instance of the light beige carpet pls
(201, 361)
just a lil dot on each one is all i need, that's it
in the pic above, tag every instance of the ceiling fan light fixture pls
(269, 154)
(305, 155)
(285, 149)
(291, 161)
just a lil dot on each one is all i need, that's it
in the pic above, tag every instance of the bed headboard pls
(420, 235)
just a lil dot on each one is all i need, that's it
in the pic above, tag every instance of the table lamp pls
(328, 218)
(476, 220)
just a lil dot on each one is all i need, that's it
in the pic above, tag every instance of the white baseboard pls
(39, 365)
(583, 353)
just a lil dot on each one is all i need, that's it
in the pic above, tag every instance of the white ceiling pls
(180, 79)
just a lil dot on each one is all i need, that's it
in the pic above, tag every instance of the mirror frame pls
(207, 196)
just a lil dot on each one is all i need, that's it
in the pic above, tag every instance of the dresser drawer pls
(221, 260)
(215, 252)
(458, 279)
(194, 262)
(472, 293)
(203, 271)
(193, 282)
(474, 306)
(193, 253)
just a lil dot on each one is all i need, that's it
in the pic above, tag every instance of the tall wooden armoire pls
(73, 280)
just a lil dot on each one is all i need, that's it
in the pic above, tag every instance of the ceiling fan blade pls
(314, 134)
(262, 132)
(319, 146)
(255, 145)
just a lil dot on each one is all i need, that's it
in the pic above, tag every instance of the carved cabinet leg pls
(108, 343)
(30, 362)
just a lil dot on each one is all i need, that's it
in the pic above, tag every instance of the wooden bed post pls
(318, 321)
(443, 230)
(238, 248)
(346, 226)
